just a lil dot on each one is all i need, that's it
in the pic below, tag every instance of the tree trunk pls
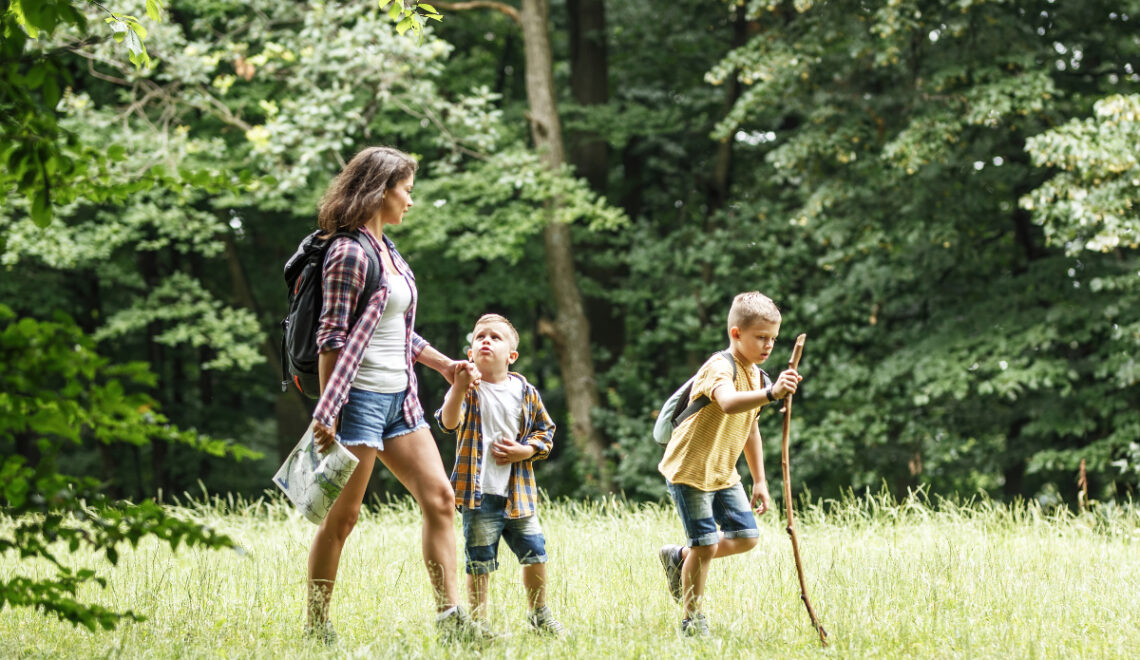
(148, 266)
(589, 82)
(722, 173)
(571, 331)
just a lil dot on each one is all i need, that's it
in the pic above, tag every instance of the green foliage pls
(57, 391)
(490, 209)
(887, 148)
(1093, 203)
(411, 16)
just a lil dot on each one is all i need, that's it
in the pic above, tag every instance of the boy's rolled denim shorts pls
(370, 418)
(702, 511)
(483, 527)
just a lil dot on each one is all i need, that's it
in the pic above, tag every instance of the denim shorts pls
(370, 418)
(702, 511)
(483, 527)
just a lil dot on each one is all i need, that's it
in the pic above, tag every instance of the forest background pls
(941, 194)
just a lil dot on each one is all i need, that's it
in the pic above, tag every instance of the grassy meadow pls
(888, 580)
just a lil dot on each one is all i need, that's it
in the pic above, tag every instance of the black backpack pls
(306, 295)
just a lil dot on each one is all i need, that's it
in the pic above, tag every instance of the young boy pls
(502, 428)
(700, 460)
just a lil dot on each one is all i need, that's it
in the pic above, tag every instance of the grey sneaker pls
(323, 633)
(542, 620)
(455, 625)
(695, 626)
(670, 556)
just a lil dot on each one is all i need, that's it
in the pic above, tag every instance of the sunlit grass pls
(888, 580)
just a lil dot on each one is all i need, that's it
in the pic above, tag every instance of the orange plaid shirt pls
(536, 429)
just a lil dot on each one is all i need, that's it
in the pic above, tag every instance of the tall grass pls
(888, 579)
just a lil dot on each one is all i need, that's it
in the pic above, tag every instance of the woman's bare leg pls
(324, 554)
(414, 459)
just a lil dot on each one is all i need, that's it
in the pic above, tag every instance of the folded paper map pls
(311, 479)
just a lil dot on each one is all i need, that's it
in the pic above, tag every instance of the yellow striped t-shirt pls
(704, 448)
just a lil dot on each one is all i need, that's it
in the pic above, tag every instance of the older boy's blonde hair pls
(496, 318)
(751, 308)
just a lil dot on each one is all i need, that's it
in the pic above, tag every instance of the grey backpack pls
(673, 412)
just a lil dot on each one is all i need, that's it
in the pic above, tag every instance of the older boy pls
(700, 460)
(502, 429)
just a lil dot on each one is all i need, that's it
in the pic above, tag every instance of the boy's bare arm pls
(449, 414)
(732, 401)
(754, 456)
(505, 450)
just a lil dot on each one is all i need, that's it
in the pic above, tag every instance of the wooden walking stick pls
(794, 363)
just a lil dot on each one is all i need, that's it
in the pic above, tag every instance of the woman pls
(367, 380)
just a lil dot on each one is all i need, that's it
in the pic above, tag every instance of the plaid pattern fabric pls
(343, 278)
(536, 429)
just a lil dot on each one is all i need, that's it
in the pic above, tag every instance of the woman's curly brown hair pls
(354, 196)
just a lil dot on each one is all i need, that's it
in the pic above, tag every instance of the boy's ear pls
(734, 333)
(514, 355)
(469, 354)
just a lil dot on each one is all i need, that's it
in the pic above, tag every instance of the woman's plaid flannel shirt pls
(343, 279)
(536, 429)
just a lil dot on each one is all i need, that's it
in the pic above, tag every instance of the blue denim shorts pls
(483, 527)
(702, 511)
(370, 418)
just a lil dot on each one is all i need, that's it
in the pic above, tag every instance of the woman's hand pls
(323, 436)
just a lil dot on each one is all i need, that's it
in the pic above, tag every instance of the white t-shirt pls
(384, 366)
(500, 409)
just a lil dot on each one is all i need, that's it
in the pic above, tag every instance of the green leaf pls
(428, 9)
(41, 207)
(117, 152)
(17, 10)
(35, 77)
(51, 92)
(403, 25)
(153, 10)
(394, 12)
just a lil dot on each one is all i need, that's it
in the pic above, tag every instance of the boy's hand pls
(506, 451)
(760, 494)
(787, 383)
(465, 375)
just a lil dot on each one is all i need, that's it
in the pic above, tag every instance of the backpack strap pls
(703, 400)
(372, 275)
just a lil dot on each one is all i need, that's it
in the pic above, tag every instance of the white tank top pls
(384, 366)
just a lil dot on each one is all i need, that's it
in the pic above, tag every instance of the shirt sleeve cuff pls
(334, 343)
(419, 345)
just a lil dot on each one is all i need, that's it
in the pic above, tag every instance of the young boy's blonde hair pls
(496, 318)
(751, 308)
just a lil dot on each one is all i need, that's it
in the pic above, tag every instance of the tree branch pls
(500, 7)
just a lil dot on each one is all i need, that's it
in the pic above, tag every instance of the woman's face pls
(397, 201)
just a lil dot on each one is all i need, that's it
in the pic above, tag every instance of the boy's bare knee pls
(747, 544)
(703, 552)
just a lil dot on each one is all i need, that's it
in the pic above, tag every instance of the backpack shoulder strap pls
(727, 354)
(372, 274)
(703, 400)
